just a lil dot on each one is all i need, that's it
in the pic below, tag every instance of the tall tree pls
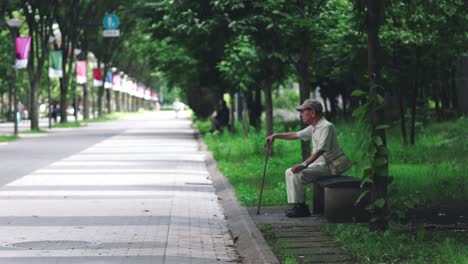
(39, 17)
(70, 16)
(380, 161)
(295, 21)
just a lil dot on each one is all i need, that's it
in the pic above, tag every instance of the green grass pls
(401, 244)
(8, 138)
(68, 125)
(431, 173)
(113, 116)
(34, 131)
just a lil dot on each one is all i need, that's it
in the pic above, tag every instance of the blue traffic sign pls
(111, 21)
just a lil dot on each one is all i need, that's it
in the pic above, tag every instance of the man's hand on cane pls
(269, 140)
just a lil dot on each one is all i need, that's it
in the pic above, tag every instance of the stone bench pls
(335, 198)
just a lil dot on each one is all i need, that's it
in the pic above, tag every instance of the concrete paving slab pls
(125, 198)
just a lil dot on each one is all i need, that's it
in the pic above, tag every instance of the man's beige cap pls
(308, 104)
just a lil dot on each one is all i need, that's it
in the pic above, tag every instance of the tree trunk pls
(444, 93)
(413, 114)
(453, 89)
(379, 188)
(127, 103)
(401, 105)
(117, 101)
(437, 107)
(63, 99)
(232, 118)
(268, 108)
(99, 100)
(108, 101)
(2, 103)
(85, 101)
(245, 119)
(123, 98)
(75, 102)
(251, 108)
(258, 107)
(303, 69)
(34, 109)
(64, 80)
(344, 99)
(10, 105)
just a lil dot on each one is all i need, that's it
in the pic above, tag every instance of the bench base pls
(335, 198)
(340, 205)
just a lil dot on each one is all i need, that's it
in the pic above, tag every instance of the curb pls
(247, 237)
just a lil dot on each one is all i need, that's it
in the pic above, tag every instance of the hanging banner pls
(55, 64)
(108, 82)
(116, 82)
(81, 74)
(22, 50)
(97, 77)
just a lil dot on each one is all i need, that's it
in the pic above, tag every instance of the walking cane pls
(267, 154)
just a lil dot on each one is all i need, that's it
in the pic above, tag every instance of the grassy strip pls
(34, 131)
(68, 125)
(431, 173)
(400, 244)
(8, 138)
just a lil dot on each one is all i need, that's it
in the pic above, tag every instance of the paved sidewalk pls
(7, 128)
(142, 196)
(300, 238)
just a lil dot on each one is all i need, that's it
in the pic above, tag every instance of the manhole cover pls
(50, 244)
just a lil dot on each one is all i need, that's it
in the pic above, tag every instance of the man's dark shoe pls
(298, 210)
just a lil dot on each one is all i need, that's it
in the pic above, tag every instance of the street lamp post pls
(14, 24)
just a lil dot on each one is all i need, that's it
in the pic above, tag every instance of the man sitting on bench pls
(326, 150)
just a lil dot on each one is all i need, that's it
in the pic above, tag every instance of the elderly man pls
(326, 150)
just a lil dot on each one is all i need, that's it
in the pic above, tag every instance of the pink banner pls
(97, 77)
(116, 82)
(22, 50)
(81, 75)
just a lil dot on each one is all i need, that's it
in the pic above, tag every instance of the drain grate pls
(50, 244)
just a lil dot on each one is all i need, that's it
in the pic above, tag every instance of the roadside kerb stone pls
(248, 238)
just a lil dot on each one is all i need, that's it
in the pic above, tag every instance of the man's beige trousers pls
(296, 182)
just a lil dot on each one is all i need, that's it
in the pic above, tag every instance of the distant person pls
(327, 157)
(178, 106)
(25, 114)
(20, 113)
(220, 118)
(55, 112)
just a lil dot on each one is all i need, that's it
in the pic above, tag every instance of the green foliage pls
(418, 172)
(285, 99)
(203, 125)
(399, 244)
(375, 149)
(240, 63)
